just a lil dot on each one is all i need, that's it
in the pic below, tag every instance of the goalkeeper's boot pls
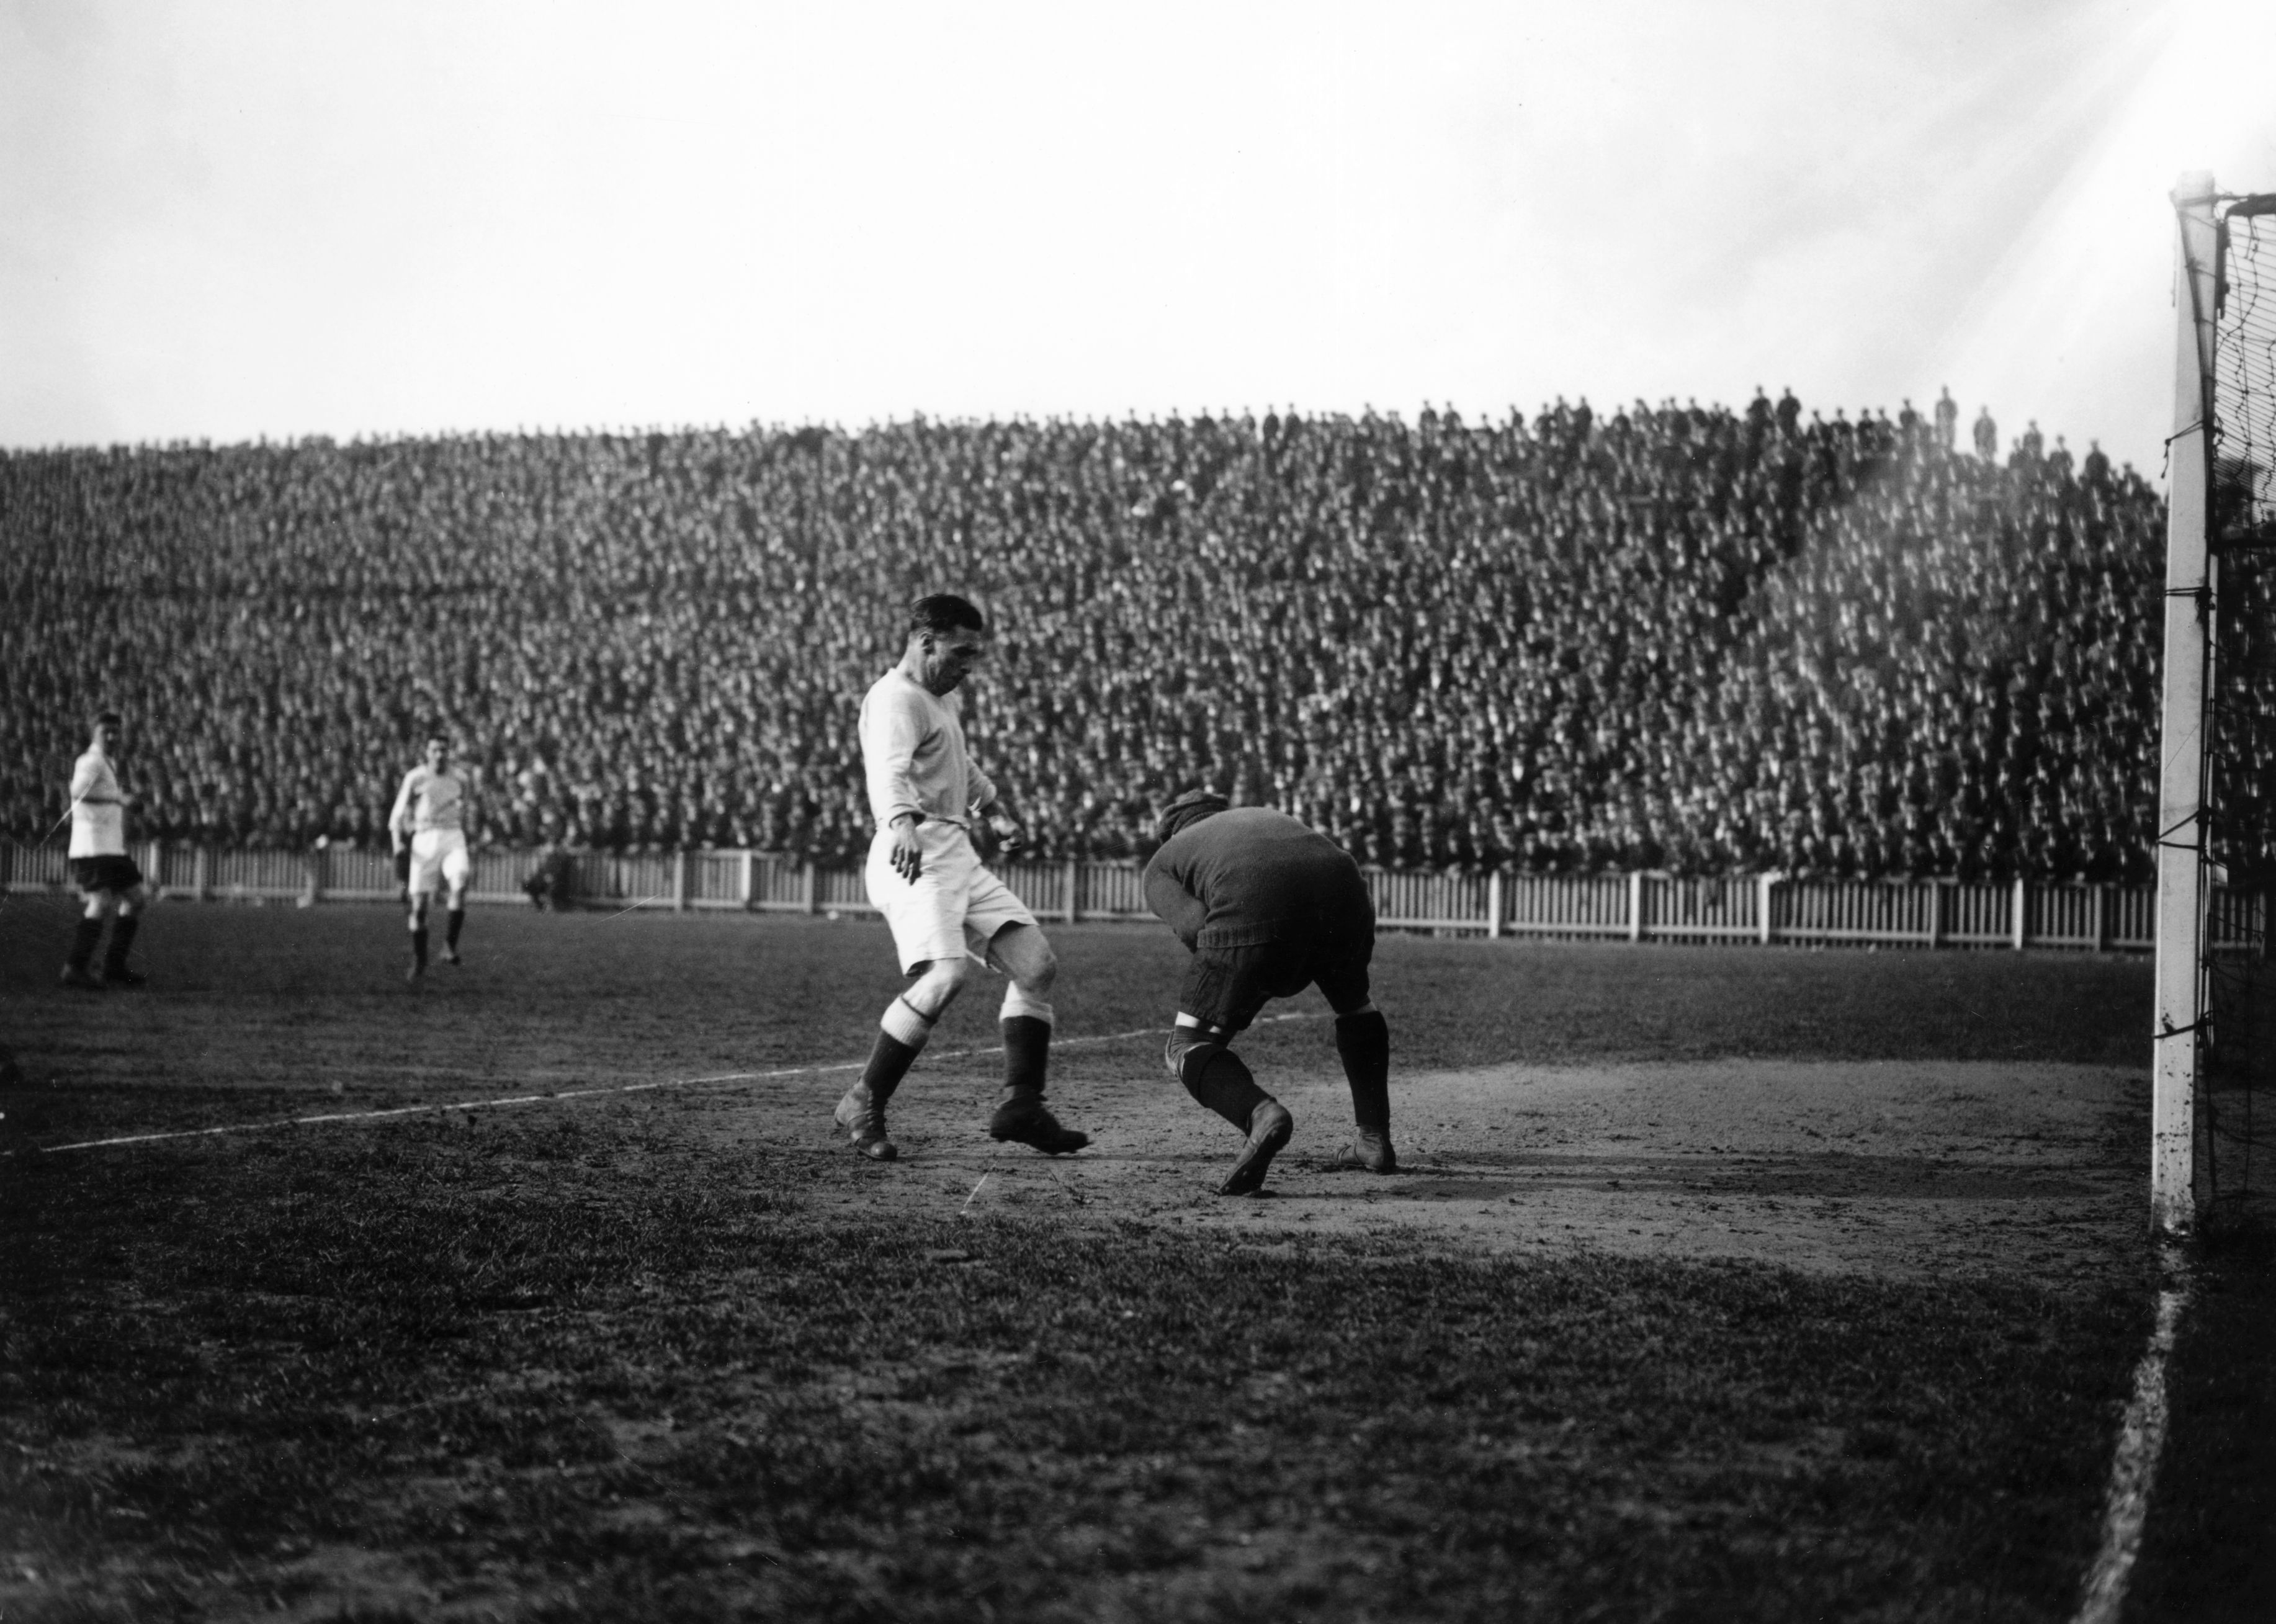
(1269, 1125)
(1023, 1119)
(1369, 1151)
(75, 975)
(862, 1115)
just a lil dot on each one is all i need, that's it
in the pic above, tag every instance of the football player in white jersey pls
(947, 913)
(428, 829)
(106, 874)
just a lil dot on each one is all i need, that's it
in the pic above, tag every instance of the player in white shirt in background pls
(428, 831)
(106, 874)
(948, 914)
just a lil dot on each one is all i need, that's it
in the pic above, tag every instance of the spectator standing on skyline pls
(1987, 436)
(1947, 419)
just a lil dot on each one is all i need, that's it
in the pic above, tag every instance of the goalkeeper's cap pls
(1187, 810)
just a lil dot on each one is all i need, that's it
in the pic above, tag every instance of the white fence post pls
(1073, 889)
(1635, 906)
(1494, 904)
(805, 887)
(1764, 884)
(2023, 916)
(680, 880)
(746, 882)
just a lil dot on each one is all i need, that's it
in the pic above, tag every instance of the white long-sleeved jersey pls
(913, 754)
(98, 810)
(426, 800)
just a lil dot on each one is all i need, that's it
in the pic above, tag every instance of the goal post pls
(2213, 1153)
(2181, 880)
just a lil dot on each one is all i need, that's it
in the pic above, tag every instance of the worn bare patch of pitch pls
(1895, 1168)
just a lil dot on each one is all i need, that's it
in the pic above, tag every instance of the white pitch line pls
(2134, 1469)
(569, 1094)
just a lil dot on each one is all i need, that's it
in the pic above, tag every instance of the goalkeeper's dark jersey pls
(1250, 874)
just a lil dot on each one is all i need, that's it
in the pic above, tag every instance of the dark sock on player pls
(890, 1060)
(1363, 1044)
(83, 937)
(122, 937)
(1219, 1079)
(453, 923)
(418, 947)
(1027, 1052)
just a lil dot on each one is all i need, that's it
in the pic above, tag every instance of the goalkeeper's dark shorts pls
(1229, 986)
(111, 871)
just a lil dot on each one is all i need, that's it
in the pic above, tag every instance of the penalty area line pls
(2134, 1468)
(385, 1113)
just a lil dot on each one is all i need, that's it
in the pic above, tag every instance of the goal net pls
(2216, 1126)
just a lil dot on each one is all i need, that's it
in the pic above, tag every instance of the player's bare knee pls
(938, 984)
(1035, 977)
(1023, 954)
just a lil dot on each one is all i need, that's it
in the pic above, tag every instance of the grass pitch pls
(676, 1354)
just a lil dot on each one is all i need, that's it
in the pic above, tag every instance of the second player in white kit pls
(107, 877)
(428, 829)
(948, 914)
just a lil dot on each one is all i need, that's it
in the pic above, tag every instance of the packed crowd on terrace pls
(1666, 636)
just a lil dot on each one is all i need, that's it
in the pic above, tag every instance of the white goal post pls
(2189, 585)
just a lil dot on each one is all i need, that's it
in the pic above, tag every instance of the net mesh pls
(2236, 1104)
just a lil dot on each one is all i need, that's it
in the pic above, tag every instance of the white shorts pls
(954, 908)
(439, 853)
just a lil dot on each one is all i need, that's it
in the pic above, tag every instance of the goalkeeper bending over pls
(1267, 906)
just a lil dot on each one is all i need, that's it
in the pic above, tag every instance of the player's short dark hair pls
(1187, 810)
(109, 718)
(944, 611)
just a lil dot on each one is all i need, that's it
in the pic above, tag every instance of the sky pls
(224, 221)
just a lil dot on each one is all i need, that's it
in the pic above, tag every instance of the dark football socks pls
(1219, 1079)
(453, 923)
(1027, 1052)
(1363, 1044)
(901, 1037)
(122, 937)
(418, 947)
(83, 937)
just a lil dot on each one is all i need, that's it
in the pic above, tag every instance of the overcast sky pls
(225, 220)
